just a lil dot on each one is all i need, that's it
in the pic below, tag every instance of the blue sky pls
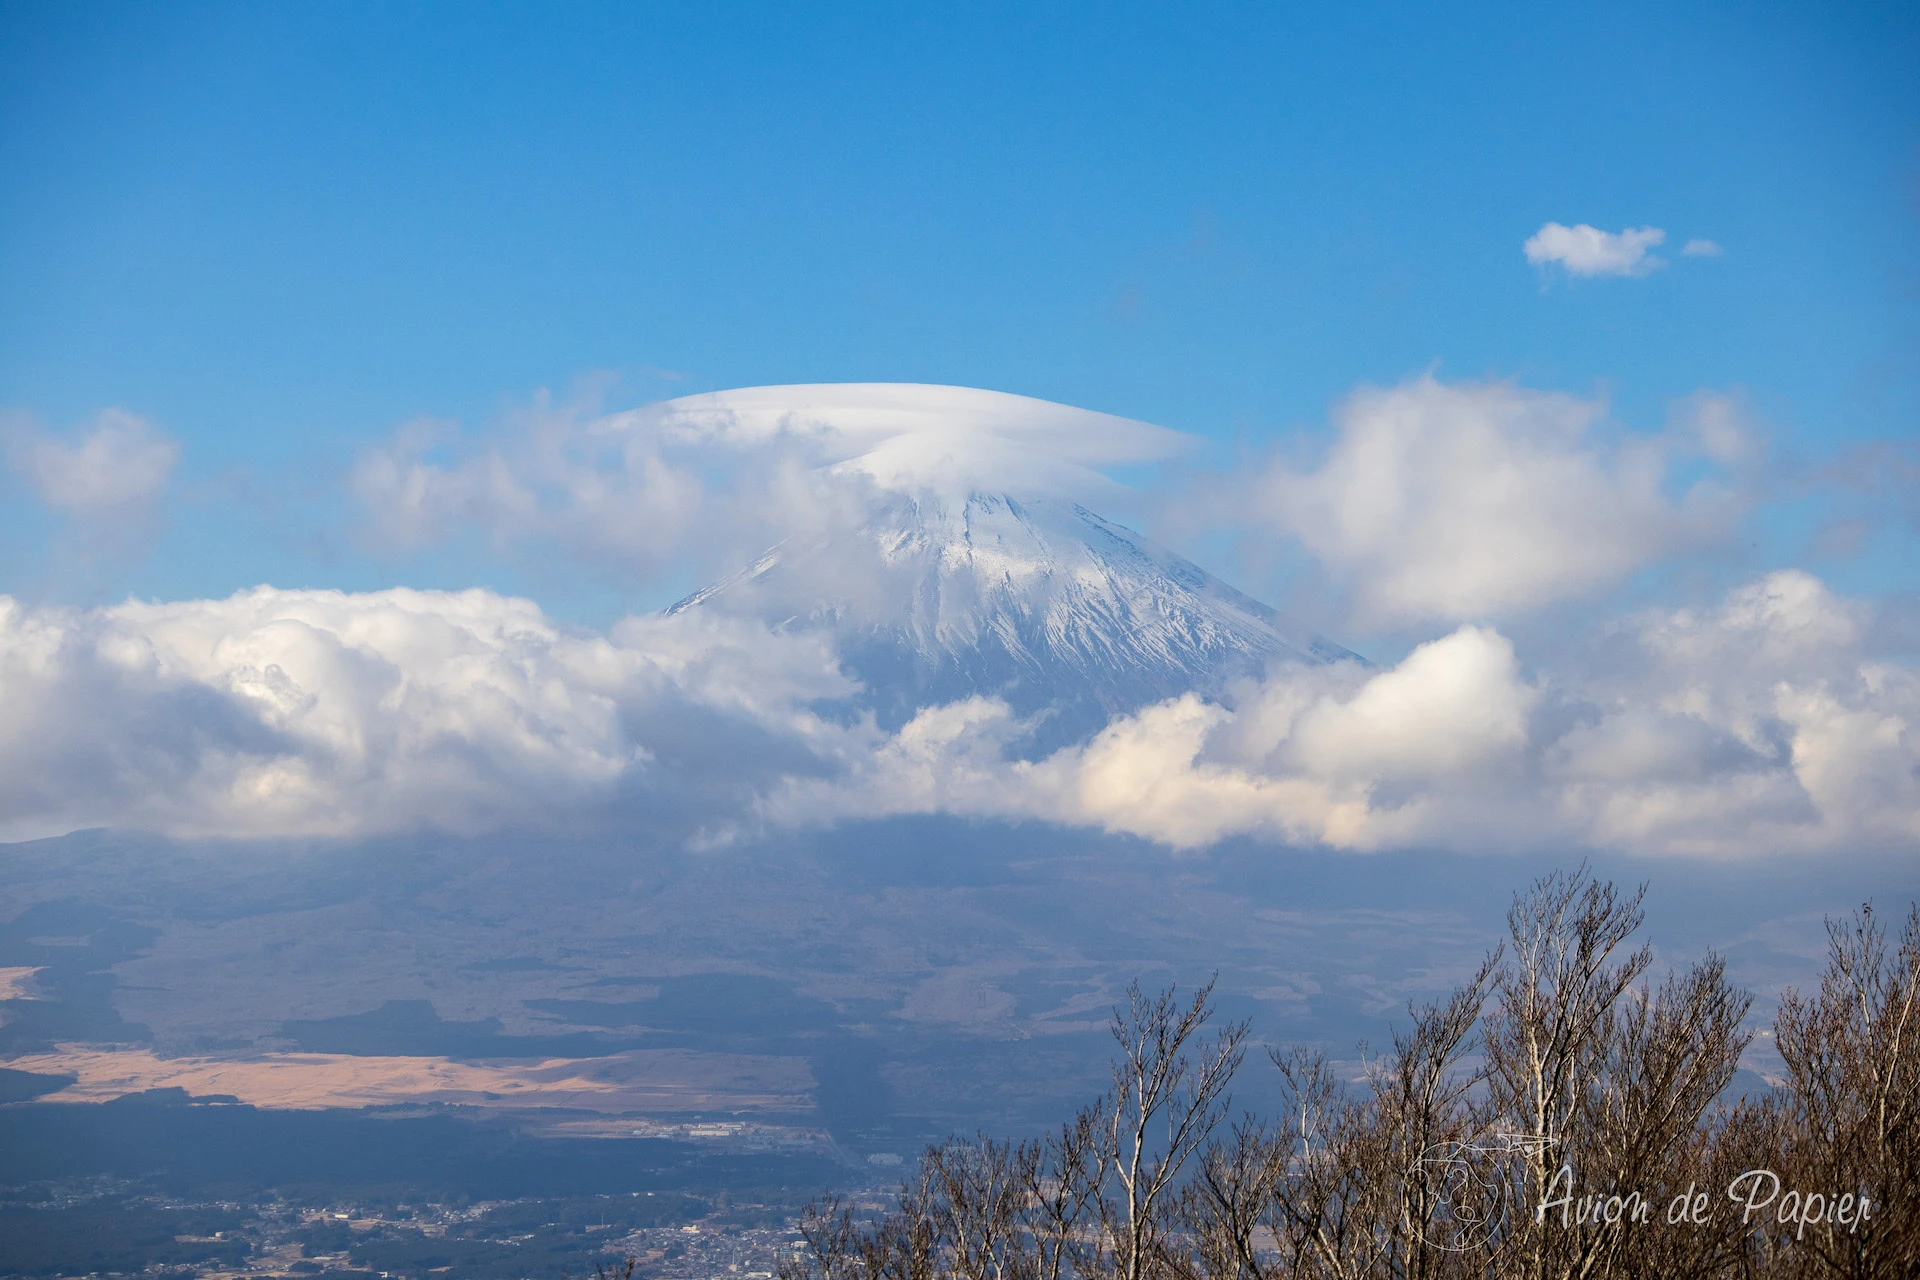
(278, 232)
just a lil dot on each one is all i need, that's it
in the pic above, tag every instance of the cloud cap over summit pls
(918, 437)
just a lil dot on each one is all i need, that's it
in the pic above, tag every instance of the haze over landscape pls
(565, 631)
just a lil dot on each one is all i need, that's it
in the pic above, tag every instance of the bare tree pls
(979, 1201)
(1062, 1184)
(1163, 1108)
(1670, 1053)
(1852, 1053)
(1225, 1208)
(833, 1243)
(1329, 1206)
(1420, 1096)
(1550, 1033)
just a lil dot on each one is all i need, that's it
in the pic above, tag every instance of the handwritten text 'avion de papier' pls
(1757, 1191)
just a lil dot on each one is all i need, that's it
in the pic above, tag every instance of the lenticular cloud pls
(912, 437)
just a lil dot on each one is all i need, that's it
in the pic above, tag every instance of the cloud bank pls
(1757, 727)
(330, 713)
(1761, 725)
(1778, 719)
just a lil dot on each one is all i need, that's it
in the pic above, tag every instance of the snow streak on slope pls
(1041, 602)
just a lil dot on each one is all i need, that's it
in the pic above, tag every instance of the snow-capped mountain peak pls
(1041, 602)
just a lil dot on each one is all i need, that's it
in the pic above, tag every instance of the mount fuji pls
(1064, 614)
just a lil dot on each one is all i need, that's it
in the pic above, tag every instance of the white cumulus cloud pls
(1479, 499)
(1763, 724)
(1760, 726)
(324, 712)
(1300, 757)
(1588, 251)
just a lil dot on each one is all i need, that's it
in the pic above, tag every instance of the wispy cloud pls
(117, 463)
(733, 469)
(1698, 248)
(1588, 251)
